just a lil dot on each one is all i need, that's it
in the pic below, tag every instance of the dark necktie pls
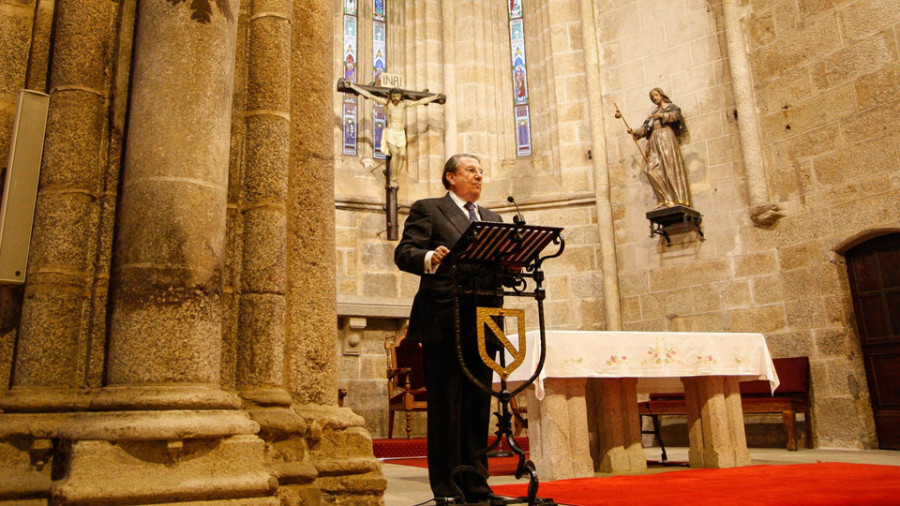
(471, 208)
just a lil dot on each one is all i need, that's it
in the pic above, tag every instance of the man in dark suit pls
(458, 410)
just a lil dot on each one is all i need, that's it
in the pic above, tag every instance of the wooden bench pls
(791, 397)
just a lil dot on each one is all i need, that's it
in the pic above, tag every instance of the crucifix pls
(393, 138)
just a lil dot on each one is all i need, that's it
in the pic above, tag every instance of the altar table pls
(583, 412)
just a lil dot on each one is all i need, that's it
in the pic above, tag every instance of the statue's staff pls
(619, 115)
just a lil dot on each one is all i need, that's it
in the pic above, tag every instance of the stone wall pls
(691, 285)
(823, 76)
(826, 80)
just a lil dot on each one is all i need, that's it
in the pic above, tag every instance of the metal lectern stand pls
(510, 253)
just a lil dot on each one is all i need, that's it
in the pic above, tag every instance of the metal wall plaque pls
(20, 187)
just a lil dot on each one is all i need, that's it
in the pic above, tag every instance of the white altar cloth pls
(658, 359)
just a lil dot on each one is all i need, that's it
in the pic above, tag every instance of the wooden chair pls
(791, 397)
(406, 380)
(520, 415)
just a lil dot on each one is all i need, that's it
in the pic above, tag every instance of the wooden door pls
(874, 270)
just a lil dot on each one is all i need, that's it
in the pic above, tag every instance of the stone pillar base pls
(267, 396)
(613, 411)
(341, 451)
(261, 455)
(133, 457)
(558, 432)
(24, 475)
(715, 422)
(117, 398)
(286, 450)
(160, 472)
(45, 399)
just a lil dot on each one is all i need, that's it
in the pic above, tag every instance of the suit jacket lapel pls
(454, 214)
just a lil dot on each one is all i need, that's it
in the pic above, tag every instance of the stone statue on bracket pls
(664, 166)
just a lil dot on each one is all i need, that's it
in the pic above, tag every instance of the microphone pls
(517, 219)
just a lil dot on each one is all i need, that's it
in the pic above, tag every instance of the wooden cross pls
(394, 134)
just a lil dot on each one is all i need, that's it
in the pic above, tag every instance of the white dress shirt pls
(430, 269)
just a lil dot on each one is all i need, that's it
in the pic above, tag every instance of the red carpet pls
(393, 448)
(797, 484)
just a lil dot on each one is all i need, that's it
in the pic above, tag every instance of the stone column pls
(55, 342)
(612, 404)
(58, 353)
(558, 434)
(16, 24)
(263, 278)
(762, 211)
(605, 221)
(715, 422)
(166, 320)
(448, 47)
(311, 340)
(424, 71)
(264, 188)
(476, 103)
(39, 58)
(169, 274)
(615, 419)
(340, 448)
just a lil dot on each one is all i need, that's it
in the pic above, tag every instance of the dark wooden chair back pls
(793, 377)
(408, 355)
(406, 380)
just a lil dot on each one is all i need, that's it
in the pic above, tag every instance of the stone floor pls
(408, 486)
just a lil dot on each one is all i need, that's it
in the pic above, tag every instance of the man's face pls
(466, 181)
(396, 98)
(656, 97)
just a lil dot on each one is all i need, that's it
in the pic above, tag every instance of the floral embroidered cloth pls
(658, 359)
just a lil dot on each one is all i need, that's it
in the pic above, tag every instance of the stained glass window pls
(379, 66)
(350, 117)
(520, 78)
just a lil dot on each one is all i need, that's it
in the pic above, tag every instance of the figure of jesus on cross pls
(393, 139)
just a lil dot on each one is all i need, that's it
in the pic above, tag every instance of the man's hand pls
(439, 253)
